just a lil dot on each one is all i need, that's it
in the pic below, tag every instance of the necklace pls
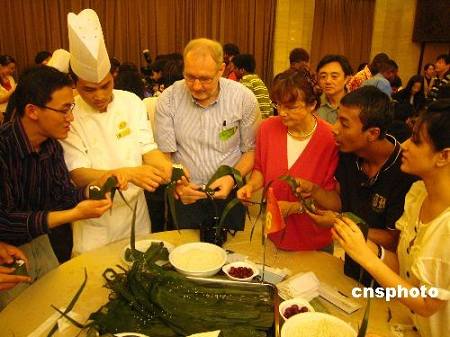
(372, 180)
(306, 135)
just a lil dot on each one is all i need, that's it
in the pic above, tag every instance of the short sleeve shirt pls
(109, 140)
(204, 138)
(378, 201)
(424, 257)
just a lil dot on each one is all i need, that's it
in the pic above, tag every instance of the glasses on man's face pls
(204, 80)
(287, 107)
(65, 111)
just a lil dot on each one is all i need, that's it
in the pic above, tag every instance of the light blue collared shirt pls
(192, 133)
(381, 83)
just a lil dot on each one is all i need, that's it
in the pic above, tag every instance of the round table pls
(32, 308)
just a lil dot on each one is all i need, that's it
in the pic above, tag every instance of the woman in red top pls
(7, 83)
(299, 144)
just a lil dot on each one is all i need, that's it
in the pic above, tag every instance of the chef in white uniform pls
(110, 133)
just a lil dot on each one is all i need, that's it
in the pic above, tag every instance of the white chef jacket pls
(109, 140)
(4, 92)
(424, 258)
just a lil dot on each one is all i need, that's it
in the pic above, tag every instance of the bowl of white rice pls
(199, 259)
(316, 324)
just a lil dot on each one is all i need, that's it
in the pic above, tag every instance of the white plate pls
(143, 245)
(313, 324)
(237, 264)
(199, 259)
(125, 334)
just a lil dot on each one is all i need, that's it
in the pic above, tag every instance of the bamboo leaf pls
(363, 329)
(230, 205)
(309, 203)
(70, 319)
(109, 185)
(133, 230)
(123, 198)
(170, 201)
(226, 170)
(358, 221)
(71, 304)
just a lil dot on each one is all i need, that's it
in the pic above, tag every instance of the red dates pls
(240, 272)
(294, 310)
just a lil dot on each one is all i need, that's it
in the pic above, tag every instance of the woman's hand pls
(288, 208)
(323, 218)
(244, 194)
(350, 237)
(305, 187)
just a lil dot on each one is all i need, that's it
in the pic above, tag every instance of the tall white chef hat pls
(89, 59)
(60, 60)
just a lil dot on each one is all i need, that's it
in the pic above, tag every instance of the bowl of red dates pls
(241, 271)
(294, 306)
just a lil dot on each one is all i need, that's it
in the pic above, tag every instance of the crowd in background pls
(338, 131)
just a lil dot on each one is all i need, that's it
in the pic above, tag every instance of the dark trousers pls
(156, 209)
(61, 240)
(204, 212)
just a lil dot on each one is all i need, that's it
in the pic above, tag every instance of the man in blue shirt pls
(203, 122)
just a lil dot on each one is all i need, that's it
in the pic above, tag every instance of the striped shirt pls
(31, 184)
(255, 84)
(200, 138)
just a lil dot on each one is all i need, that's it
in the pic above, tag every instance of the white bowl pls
(126, 334)
(301, 302)
(314, 324)
(143, 245)
(199, 259)
(237, 264)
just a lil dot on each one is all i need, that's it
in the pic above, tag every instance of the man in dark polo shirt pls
(370, 183)
(36, 194)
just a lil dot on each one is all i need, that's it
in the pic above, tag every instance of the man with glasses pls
(203, 122)
(110, 133)
(370, 182)
(36, 194)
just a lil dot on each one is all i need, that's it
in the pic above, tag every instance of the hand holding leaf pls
(287, 208)
(351, 238)
(188, 192)
(305, 187)
(322, 218)
(244, 194)
(222, 186)
(88, 209)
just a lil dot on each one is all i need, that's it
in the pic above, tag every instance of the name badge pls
(123, 130)
(227, 134)
(378, 203)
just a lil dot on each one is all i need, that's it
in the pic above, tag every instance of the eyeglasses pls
(292, 108)
(203, 80)
(66, 110)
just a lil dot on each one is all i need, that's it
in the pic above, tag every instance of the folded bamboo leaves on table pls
(158, 302)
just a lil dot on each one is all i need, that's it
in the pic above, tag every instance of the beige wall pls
(392, 33)
(293, 29)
